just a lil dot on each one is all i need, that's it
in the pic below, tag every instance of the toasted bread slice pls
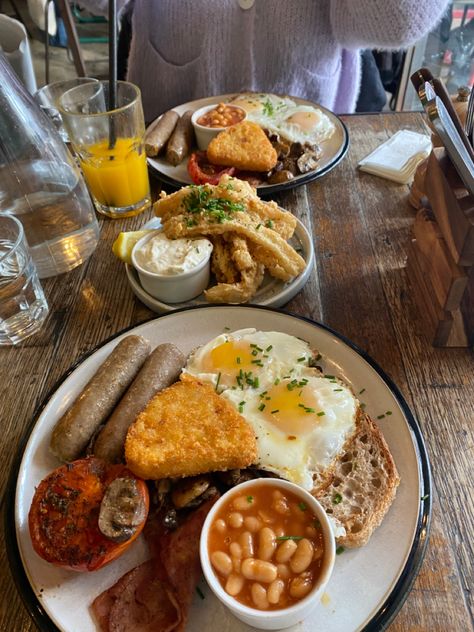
(363, 486)
(187, 429)
(244, 146)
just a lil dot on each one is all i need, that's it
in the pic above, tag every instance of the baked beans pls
(222, 115)
(266, 548)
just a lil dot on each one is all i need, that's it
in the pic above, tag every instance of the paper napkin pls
(397, 158)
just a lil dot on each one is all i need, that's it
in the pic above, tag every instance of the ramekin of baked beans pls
(267, 552)
(209, 120)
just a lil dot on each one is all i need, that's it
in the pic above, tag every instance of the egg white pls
(300, 417)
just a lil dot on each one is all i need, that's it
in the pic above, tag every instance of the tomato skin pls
(63, 517)
(202, 172)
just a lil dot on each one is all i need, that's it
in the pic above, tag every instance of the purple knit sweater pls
(187, 49)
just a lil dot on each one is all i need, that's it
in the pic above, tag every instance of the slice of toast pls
(363, 485)
(188, 429)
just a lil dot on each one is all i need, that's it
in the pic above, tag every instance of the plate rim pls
(265, 190)
(400, 591)
(284, 295)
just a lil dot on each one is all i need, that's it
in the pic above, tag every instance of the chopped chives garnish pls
(330, 377)
(269, 348)
(361, 391)
(302, 506)
(389, 412)
(218, 379)
(250, 499)
(199, 592)
(337, 389)
(277, 410)
(262, 406)
(289, 537)
(425, 497)
(302, 359)
(336, 499)
(321, 413)
(277, 381)
(238, 360)
(311, 410)
(263, 393)
(339, 550)
(380, 416)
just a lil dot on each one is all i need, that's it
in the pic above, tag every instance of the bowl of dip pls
(172, 270)
(210, 120)
(267, 552)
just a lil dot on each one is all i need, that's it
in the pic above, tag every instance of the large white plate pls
(368, 584)
(272, 293)
(333, 150)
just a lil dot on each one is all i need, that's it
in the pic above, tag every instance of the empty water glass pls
(23, 307)
(48, 96)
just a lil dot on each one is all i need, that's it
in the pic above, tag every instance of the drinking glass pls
(110, 145)
(23, 307)
(48, 96)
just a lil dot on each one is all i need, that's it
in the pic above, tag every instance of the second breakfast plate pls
(368, 585)
(333, 150)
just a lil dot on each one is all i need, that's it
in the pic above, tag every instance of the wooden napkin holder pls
(440, 263)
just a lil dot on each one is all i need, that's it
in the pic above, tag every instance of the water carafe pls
(41, 184)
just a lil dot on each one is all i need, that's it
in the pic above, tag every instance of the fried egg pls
(264, 109)
(305, 124)
(301, 418)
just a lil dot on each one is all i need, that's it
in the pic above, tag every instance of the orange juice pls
(118, 176)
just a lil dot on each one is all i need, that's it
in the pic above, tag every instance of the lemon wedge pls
(123, 245)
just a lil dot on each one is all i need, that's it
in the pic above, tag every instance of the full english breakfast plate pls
(369, 584)
(272, 292)
(291, 123)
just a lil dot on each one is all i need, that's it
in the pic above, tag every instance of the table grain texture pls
(361, 226)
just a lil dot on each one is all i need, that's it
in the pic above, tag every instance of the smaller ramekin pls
(172, 288)
(285, 617)
(204, 134)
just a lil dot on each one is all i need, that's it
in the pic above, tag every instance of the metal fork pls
(469, 124)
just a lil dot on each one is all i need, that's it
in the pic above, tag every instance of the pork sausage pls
(96, 401)
(181, 140)
(159, 132)
(160, 370)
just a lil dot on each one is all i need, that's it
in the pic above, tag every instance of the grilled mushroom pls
(188, 490)
(122, 510)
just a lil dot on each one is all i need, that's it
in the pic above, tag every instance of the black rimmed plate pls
(369, 584)
(333, 151)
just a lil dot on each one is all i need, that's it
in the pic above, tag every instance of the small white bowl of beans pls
(212, 119)
(267, 552)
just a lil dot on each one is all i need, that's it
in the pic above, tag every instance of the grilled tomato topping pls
(87, 513)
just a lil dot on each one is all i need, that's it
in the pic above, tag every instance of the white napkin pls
(397, 158)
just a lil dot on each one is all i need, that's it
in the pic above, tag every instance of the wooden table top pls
(361, 226)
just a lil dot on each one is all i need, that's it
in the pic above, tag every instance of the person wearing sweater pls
(183, 50)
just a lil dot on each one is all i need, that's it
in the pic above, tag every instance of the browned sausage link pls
(181, 140)
(158, 132)
(98, 398)
(160, 370)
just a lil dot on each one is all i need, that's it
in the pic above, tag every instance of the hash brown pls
(187, 429)
(244, 146)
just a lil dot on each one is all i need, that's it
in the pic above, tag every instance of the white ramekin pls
(203, 134)
(172, 288)
(271, 619)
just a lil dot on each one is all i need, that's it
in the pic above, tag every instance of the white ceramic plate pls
(368, 585)
(333, 150)
(272, 293)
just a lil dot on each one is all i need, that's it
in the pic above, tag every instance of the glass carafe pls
(41, 184)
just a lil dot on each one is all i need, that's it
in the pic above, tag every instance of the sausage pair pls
(175, 132)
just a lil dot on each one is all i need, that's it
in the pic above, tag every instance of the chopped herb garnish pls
(363, 405)
(388, 412)
(250, 499)
(268, 108)
(337, 389)
(336, 499)
(273, 412)
(262, 406)
(318, 357)
(302, 506)
(362, 391)
(269, 348)
(238, 360)
(277, 381)
(330, 377)
(425, 497)
(269, 224)
(257, 226)
(226, 329)
(321, 413)
(289, 537)
(218, 379)
(302, 359)
(339, 550)
(263, 393)
(380, 416)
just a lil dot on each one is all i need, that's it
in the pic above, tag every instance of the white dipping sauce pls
(172, 256)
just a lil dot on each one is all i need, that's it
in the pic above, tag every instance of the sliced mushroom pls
(307, 162)
(188, 489)
(234, 477)
(280, 176)
(122, 510)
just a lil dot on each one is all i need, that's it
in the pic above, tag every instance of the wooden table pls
(361, 226)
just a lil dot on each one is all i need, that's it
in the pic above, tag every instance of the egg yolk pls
(291, 407)
(306, 121)
(236, 361)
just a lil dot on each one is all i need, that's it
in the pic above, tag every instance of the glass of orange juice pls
(109, 145)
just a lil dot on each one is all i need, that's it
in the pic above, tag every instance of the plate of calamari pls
(261, 253)
(275, 142)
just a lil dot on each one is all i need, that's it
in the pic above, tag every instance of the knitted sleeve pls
(383, 23)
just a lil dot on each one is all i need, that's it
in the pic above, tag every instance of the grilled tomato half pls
(87, 513)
